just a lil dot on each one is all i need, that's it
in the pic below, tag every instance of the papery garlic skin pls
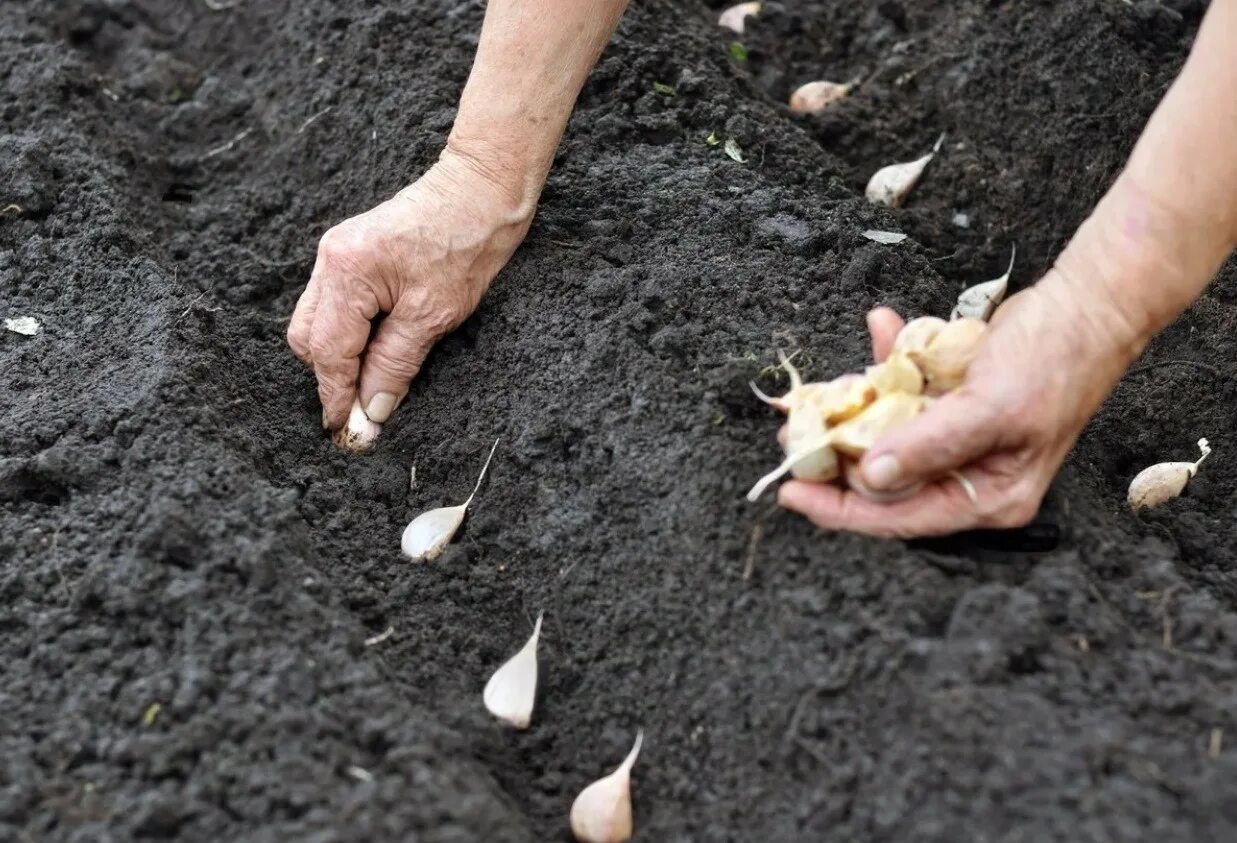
(602, 811)
(815, 97)
(512, 690)
(735, 17)
(1164, 481)
(892, 184)
(359, 434)
(982, 300)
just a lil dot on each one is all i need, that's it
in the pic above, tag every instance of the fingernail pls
(884, 472)
(380, 407)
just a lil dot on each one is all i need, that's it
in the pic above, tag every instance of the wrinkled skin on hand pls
(1044, 367)
(424, 258)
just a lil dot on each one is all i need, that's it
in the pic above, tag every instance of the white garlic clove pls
(815, 97)
(359, 434)
(1164, 481)
(892, 184)
(980, 301)
(735, 17)
(602, 811)
(27, 326)
(427, 535)
(512, 690)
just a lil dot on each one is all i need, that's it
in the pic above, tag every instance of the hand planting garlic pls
(427, 535)
(832, 425)
(892, 184)
(735, 17)
(602, 811)
(815, 97)
(359, 434)
(512, 690)
(1164, 481)
(980, 301)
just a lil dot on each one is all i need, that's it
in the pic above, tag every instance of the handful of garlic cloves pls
(831, 425)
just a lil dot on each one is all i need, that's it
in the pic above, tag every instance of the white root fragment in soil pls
(980, 301)
(1164, 481)
(815, 97)
(512, 690)
(427, 535)
(735, 17)
(892, 184)
(602, 811)
(359, 434)
(27, 326)
(889, 238)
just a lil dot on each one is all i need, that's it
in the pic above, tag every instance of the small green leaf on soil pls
(663, 89)
(733, 150)
(148, 719)
(712, 139)
(737, 51)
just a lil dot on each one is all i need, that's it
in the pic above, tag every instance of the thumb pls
(393, 358)
(955, 431)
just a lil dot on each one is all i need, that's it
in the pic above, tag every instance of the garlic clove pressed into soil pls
(427, 535)
(602, 811)
(1164, 481)
(892, 184)
(359, 434)
(980, 301)
(815, 97)
(512, 690)
(735, 17)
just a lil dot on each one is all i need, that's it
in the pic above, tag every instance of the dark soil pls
(176, 531)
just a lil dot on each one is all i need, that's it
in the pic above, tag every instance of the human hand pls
(423, 258)
(1048, 360)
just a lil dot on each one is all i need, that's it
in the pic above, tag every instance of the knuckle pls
(341, 246)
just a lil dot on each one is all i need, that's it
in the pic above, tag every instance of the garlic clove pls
(815, 97)
(512, 690)
(27, 326)
(806, 424)
(892, 184)
(916, 335)
(427, 535)
(602, 811)
(854, 480)
(359, 434)
(1164, 481)
(735, 17)
(897, 374)
(980, 301)
(855, 436)
(842, 398)
(776, 474)
(950, 353)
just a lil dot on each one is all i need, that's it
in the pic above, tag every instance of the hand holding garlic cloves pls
(983, 454)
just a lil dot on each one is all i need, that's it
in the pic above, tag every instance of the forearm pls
(532, 60)
(1170, 220)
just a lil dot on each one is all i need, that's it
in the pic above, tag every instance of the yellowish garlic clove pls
(806, 424)
(512, 690)
(892, 184)
(815, 97)
(842, 398)
(950, 353)
(359, 434)
(427, 535)
(602, 811)
(916, 335)
(855, 436)
(897, 374)
(1164, 481)
(980, 301)
(735, 17)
